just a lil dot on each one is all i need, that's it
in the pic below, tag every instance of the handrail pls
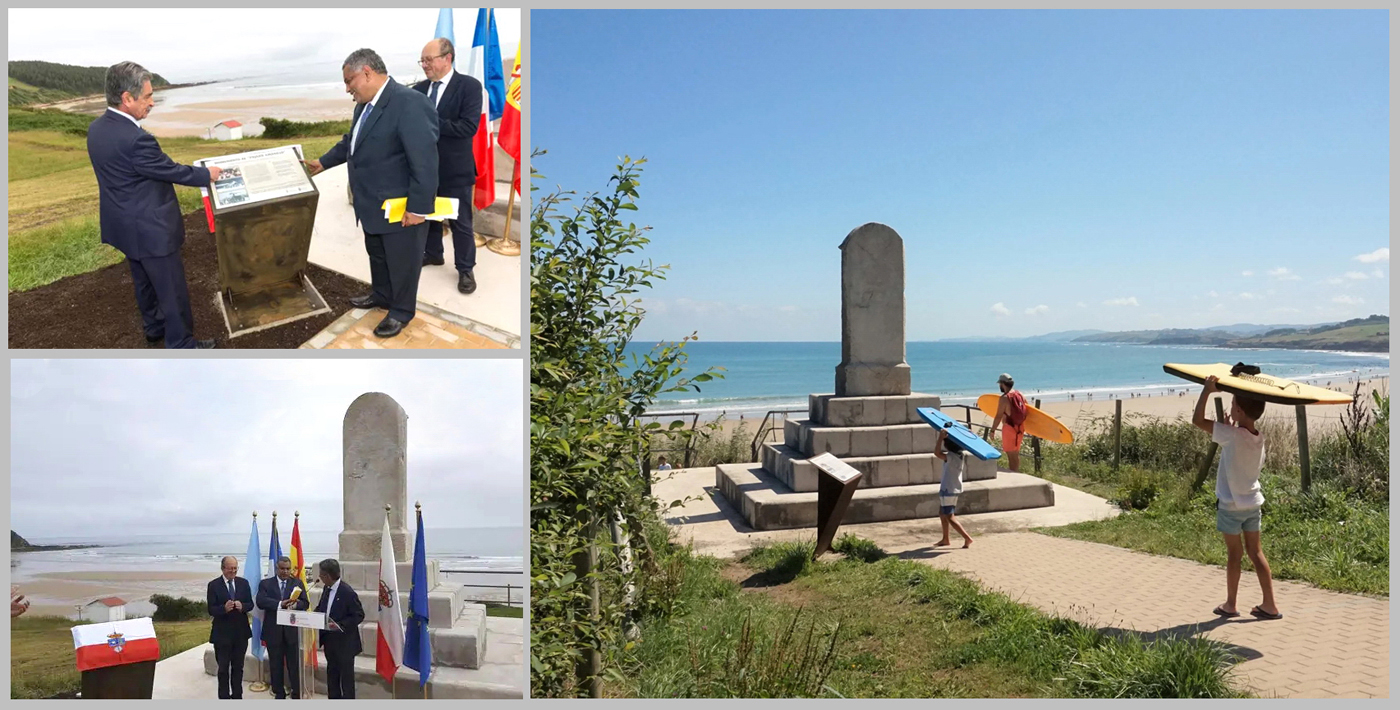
(761, 436)
(690, 441)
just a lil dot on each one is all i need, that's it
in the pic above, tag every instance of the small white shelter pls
(105, 609)
(228, 131)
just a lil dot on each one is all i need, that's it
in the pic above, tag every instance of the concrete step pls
(445, 603)
(811, 439)
(799, 474)
(766, 504)
(830, 410)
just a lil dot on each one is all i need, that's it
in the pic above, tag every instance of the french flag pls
(115, 643)
(484, 64)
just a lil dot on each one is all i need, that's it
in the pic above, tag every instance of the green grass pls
(902, 629)
(41, 653)
(506, 612)
(53, 201)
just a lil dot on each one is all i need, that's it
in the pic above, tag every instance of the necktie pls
(230, 589)
(432, 95)
(364, 118)
(284, 589)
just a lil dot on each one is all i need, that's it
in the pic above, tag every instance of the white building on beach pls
(228, 131)
(105, 609)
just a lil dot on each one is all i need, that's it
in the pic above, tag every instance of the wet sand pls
(56, 593)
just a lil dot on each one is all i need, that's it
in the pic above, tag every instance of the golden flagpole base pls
(504, 246)
(480, 240)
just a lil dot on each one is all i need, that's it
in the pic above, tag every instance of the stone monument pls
(870, 422)
(375, 474)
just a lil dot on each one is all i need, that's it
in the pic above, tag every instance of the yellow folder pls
(443, 208)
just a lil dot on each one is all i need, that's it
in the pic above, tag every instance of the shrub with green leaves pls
(586, 489)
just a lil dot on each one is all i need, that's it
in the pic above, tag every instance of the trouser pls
(340, 674)
(463, 239)
(395, 261)
(229, 655)
(282, 653)
(164, 299)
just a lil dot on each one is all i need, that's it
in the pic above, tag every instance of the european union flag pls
(417, 649)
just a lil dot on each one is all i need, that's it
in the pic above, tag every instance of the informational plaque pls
(302, 619)
(835, 487)
(264, 209)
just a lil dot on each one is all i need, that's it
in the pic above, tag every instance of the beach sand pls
(1080, 413)
(56, 593)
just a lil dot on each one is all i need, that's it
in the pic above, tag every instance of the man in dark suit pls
(230, 600)
(457, 98)
(139, 213)
(341, 639)
(391, 151)
(283, 648)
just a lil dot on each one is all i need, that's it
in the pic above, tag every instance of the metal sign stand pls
(835, 487)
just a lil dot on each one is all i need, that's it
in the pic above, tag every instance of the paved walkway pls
(1327, 645)
(427, 330)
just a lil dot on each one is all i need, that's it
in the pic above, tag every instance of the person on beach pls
(230, 600)
(457, 99)
(1011, 417)
(138, 212)
(949, 489)
(1238, 499)
(391, 151)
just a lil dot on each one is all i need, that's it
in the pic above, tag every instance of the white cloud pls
(1129, 301)
(1214, 294)
(1042, 308)
(1000, 309)
(1356, 276)
(1246, 296)
(1218, 307)
(1083, 304)
(1348, 300)
(787, 309)
(1246, 273)
(1283, 274)
(1381, 255)
(1334, 282)
(1378, 274)
(1285, 310)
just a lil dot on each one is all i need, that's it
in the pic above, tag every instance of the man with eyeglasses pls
(457, 98)
(391, 151)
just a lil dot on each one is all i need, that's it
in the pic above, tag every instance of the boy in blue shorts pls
(1238, 499)
(949, 489)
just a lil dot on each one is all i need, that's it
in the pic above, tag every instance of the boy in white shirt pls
(1238, 499)
(950, 488)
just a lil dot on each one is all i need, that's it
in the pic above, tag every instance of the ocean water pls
(760, 377)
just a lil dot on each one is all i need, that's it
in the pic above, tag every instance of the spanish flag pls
(298, 558)
(510, 122)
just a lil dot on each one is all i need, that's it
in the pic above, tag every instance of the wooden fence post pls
(1304, 461)
(588, 672)
(1117, 431)
(1035, 446)
(1210, 452)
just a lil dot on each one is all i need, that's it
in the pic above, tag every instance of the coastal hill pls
(34, 82)
(1371, 334)
(19, 544)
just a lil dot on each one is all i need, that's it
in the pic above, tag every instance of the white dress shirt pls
(125, 115)
(441, 89)
(355, 137)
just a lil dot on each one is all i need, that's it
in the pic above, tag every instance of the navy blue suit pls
(341, 646)
(229, 631)
(395, 156)
(283, 642)
(141, 218)
(459, 113)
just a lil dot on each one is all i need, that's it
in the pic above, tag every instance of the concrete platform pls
(501, 675)
(796, 471)
(830, 410)
(884, 440)
(766, 504)
(338, 244)
(709, 523)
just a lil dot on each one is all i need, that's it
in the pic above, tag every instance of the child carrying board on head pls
(950, 488)
(1238, 500)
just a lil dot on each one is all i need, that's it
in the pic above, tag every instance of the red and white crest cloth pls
(115, 643)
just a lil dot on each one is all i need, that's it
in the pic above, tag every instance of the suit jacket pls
(270, 600)
(459, 112)
(395, 156)
(347, 612)
(139, 213)
(229, 625)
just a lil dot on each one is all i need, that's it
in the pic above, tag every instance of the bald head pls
(229, 566)
(437, 58)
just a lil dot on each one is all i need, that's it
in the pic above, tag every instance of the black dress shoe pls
(430, 261)
(153, 340)
(466, 283)
(389, 327)
(205, 344)
(365, 301)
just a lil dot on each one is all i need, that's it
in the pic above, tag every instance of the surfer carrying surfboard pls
(1011, 420)
(1238, 499)
(950, 487)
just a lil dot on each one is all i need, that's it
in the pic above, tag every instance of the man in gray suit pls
(391, 151)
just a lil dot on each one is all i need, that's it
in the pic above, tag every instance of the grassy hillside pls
(22, 94)
(1370, 334)
(41, 653)
(44, 82)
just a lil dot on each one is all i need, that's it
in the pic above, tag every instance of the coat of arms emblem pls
(116, 641)
(386, 600)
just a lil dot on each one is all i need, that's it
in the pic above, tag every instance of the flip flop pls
(1226, 614)
(1258, 613)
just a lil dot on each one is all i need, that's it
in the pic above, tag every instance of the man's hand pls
(228, 605)
(238, 606)
(18, 604)
(215, 172)
(1212, 384)
(313, 165)
(332, 625)
(410, 219)
(287, 603)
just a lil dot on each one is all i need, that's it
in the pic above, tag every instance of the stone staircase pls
(884, 438)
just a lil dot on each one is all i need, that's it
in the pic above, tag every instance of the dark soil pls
(98, 309)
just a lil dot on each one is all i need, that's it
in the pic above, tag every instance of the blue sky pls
(1047, 170)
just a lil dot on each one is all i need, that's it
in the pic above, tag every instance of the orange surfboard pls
(1037, 424)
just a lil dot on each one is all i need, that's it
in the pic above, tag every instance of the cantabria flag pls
(388, 655)
(115, 643)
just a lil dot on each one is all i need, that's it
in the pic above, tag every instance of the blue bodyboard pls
(959, 435)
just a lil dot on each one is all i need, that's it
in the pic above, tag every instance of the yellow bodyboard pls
(1261, 386)
(1037, 424)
